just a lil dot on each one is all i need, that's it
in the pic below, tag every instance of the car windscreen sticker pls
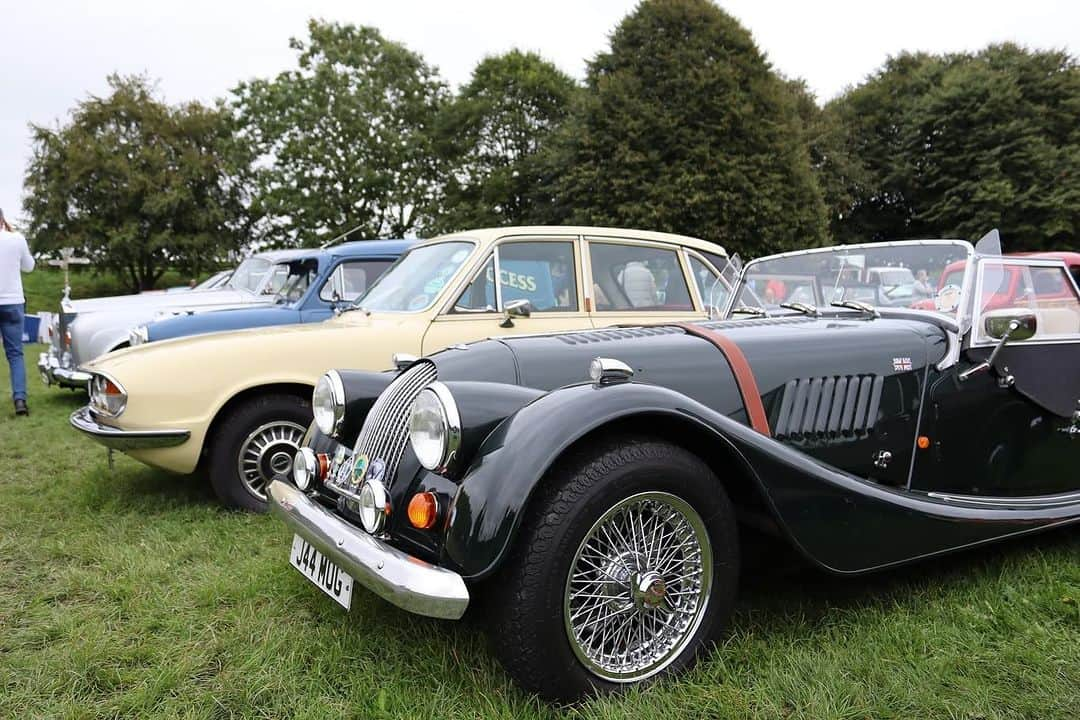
(526, 279)
(947, 299)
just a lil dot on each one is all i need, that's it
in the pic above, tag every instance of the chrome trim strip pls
(1027, 503)
(117, 439)
(399, 578)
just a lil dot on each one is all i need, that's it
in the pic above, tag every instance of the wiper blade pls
(747, 310)
(803, 308)
(857, 305)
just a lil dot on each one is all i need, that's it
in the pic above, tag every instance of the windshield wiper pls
(802, 308)
(858, 305)
(747, 310)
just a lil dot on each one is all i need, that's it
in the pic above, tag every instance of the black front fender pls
(842, 523)
(515, 457)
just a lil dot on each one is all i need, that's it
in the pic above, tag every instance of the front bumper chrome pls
(53, 373)
(117, 439)
(393, 575)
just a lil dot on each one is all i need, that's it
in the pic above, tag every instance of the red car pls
(1011, 287)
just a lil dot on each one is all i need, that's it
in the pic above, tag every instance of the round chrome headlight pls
(328, 403)
(435, 427)
(304, 468)
(373, 502)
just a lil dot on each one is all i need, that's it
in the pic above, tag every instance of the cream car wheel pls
(267, 452)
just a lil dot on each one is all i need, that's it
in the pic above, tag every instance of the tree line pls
(680, 125)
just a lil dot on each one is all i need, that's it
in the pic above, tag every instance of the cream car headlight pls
(328, 403)
(138, 336)
(107, 397)
(435, 427)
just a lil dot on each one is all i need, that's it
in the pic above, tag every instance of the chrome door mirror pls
(520, 308)
(1004, 327)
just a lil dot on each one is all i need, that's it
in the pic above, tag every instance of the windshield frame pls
(452, 283)
(963, 307)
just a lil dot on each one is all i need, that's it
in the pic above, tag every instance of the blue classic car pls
(306, 290)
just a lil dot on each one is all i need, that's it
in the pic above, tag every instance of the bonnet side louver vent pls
(829, 407)
(608, 334)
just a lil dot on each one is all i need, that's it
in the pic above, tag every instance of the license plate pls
(327, 576)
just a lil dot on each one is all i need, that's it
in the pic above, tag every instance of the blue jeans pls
(11, 328)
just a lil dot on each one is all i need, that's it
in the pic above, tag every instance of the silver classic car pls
(86, 329)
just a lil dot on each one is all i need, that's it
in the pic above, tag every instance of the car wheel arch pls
(710, 443)
(297, 389)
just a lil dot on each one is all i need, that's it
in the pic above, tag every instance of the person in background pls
(15, 258)
(922, 289)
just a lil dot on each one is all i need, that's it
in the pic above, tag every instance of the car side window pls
(712, 289)
(479, 296)
(1076, 275)
(540, 272)
(636, 277)
(350, 280)
(1010, 288)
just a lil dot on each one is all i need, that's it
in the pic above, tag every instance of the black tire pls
(530, 630)
(290, 414)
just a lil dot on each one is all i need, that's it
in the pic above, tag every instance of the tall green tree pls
(685, 127)
(140, 186)
(492, 132)
(957, 144)
(348, 137)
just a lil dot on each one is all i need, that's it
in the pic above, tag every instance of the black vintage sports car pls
(592, 487)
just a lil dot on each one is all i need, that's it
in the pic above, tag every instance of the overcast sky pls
(55, 52)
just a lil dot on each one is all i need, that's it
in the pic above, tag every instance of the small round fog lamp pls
(374, 505)
(305, 467)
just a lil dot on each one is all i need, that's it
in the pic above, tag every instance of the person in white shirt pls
(15, 258)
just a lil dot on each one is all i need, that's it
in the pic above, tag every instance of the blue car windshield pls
(416, 280)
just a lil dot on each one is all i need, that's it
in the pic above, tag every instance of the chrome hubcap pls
(266, 452)
(638, 587)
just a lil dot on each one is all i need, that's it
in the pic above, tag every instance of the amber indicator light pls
(923, 442)
(423, 510)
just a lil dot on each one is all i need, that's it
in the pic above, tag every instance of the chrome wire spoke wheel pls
(266, 452)
(638, 587)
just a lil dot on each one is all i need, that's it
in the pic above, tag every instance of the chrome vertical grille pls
(386, 428)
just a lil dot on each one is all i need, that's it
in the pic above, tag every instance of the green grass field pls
(130, 593)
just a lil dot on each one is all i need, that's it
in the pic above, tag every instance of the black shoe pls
(20, 408)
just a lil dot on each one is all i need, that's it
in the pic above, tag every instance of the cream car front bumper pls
(117, 439)
(393, 575)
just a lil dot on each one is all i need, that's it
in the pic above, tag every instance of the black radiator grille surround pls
(845, 405)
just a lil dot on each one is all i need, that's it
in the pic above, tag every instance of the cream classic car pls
(238, 403)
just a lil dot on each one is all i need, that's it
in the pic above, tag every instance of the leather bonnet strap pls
(744, 376)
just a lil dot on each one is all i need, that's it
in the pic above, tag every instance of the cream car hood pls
(184, 381)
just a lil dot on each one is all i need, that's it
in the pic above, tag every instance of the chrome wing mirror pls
(1018, 327)
(520, 308)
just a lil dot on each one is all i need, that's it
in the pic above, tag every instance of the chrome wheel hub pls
(267, 452)
(638, 587)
